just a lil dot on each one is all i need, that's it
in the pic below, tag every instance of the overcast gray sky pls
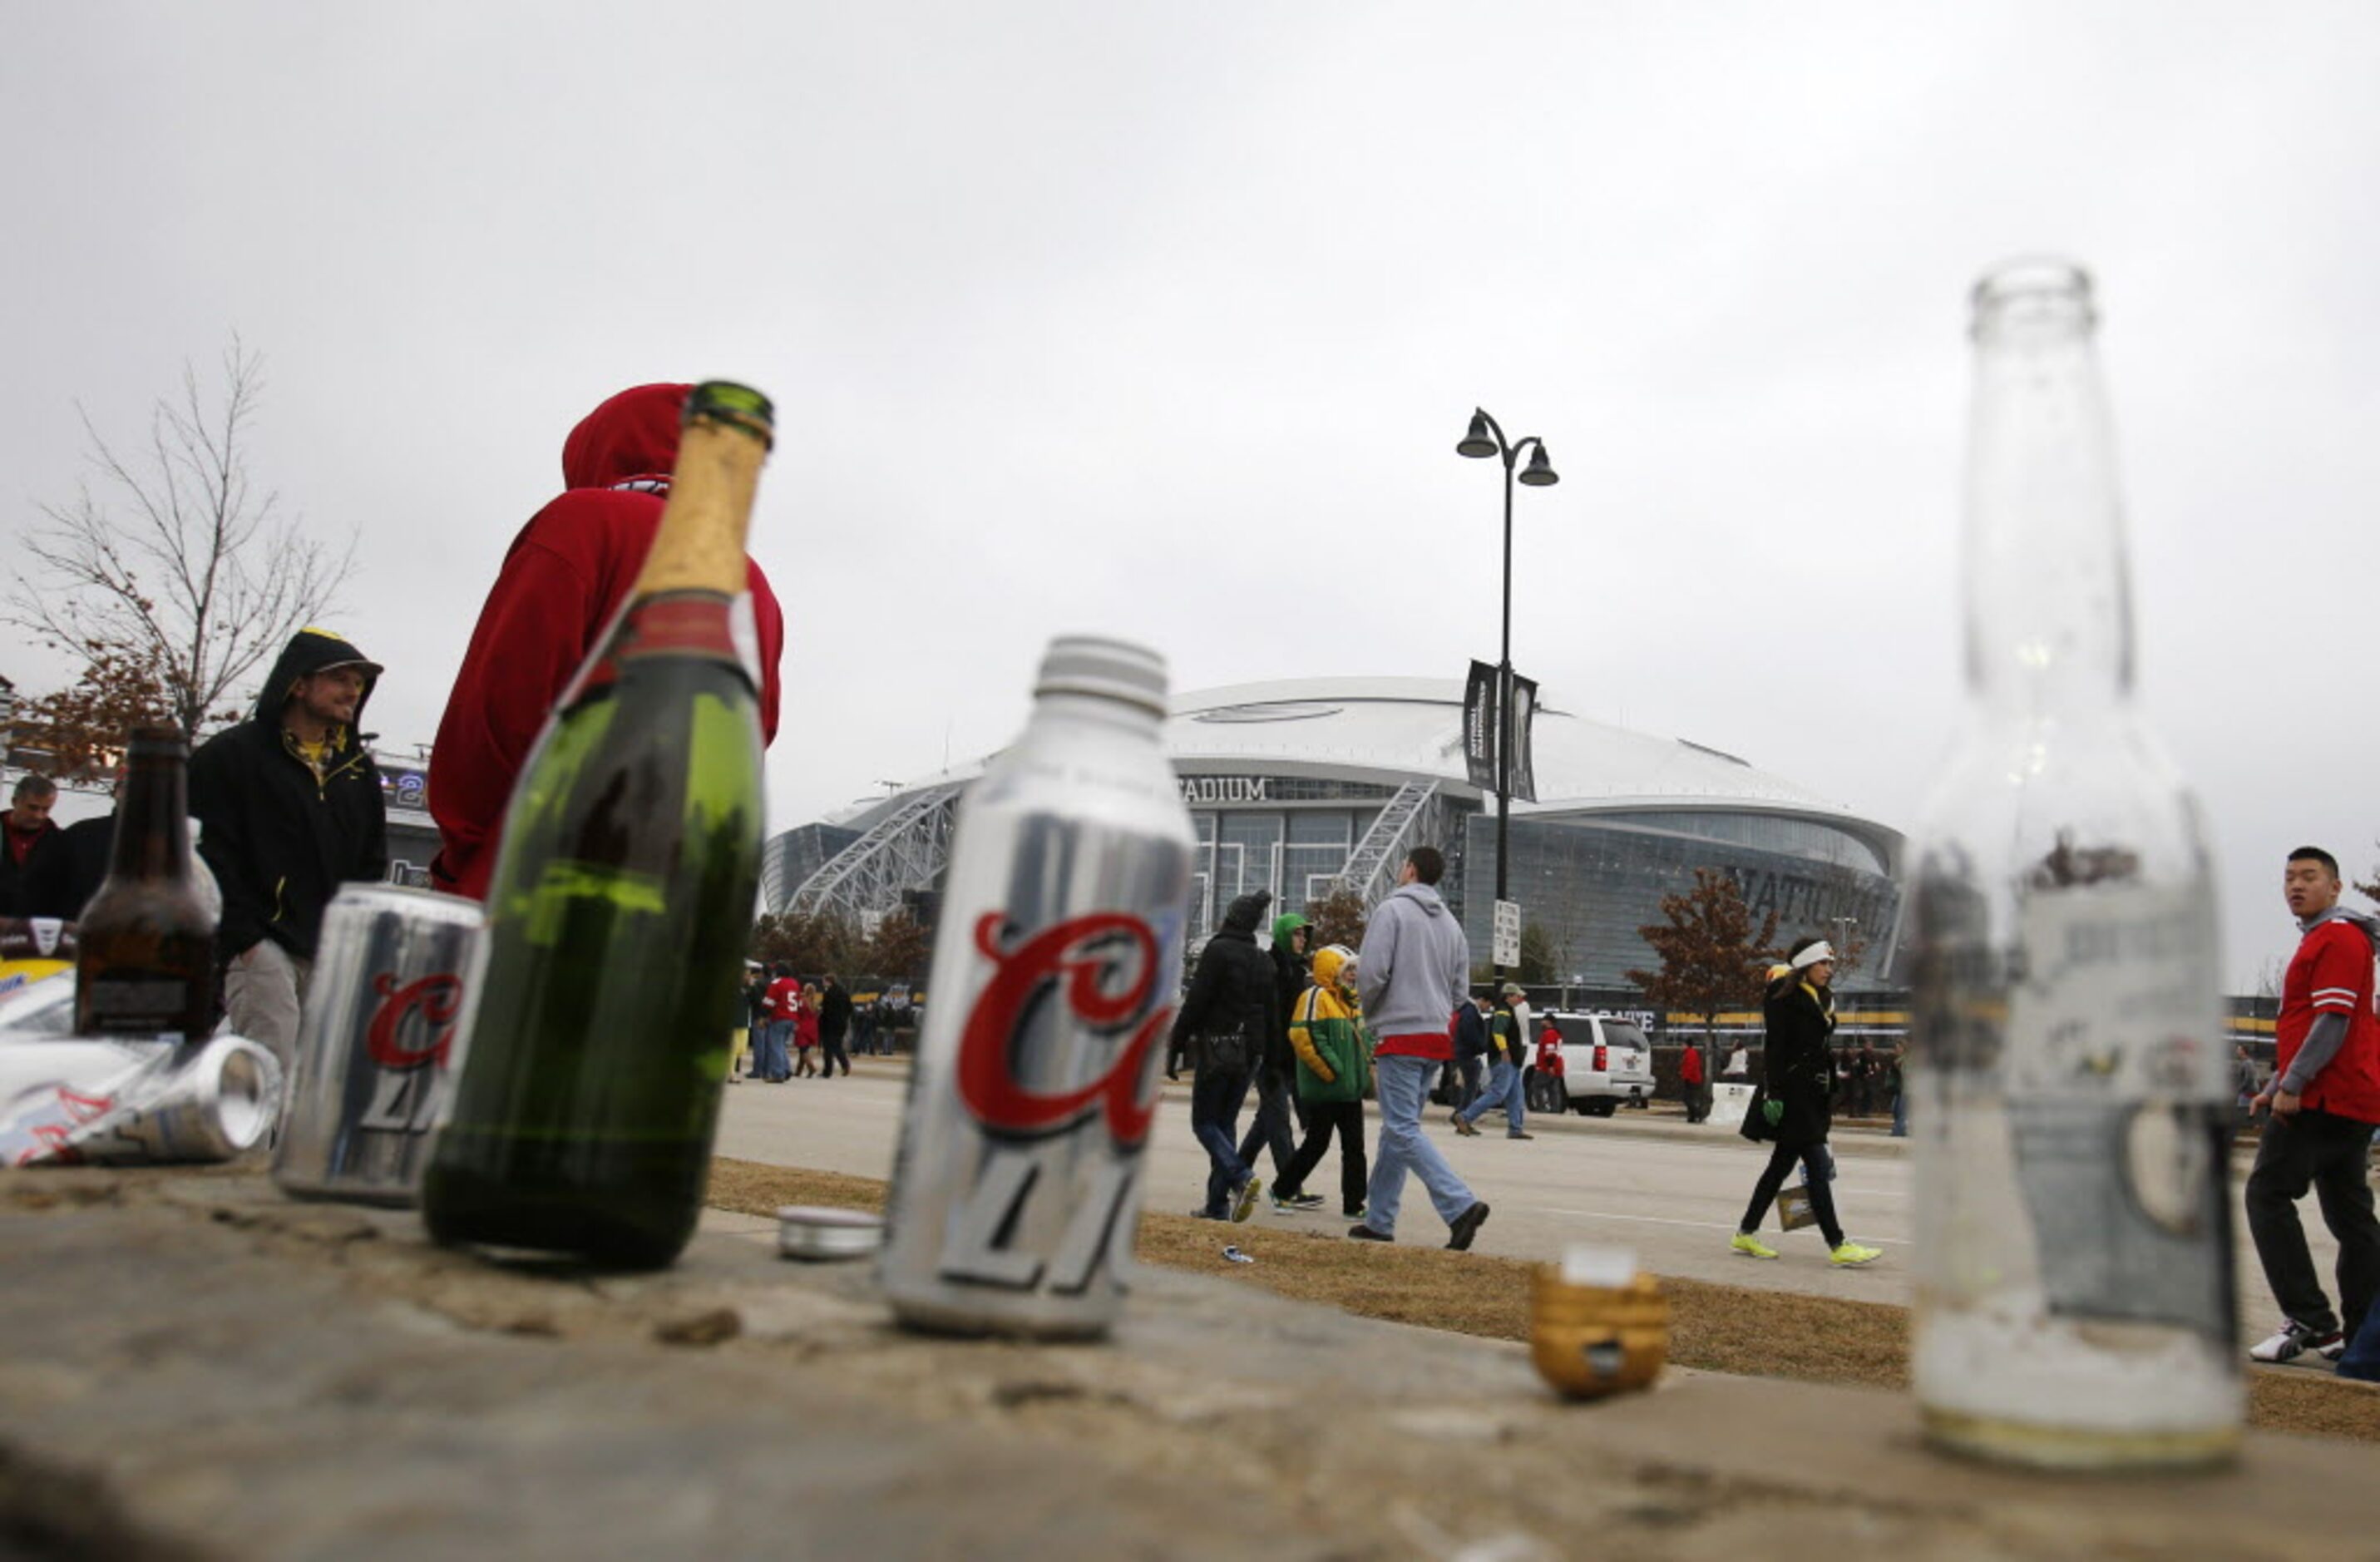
(1163, 320)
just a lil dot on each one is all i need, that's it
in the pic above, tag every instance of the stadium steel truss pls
(906, 849)
(1410, 819)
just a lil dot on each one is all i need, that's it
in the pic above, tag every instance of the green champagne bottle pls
(622, 899)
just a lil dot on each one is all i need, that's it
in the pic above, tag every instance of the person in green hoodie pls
(1333, 1068)
(1276, 1077)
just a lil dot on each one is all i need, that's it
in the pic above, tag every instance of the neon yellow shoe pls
(1850, 1255)
(1750, 1246)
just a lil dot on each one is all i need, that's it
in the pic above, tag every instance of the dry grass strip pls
(1721, 1328)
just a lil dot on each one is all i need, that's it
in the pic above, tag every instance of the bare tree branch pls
(189, 574)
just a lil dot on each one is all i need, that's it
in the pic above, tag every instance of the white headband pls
(1821, 950)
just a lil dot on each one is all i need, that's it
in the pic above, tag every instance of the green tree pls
(1711, 959)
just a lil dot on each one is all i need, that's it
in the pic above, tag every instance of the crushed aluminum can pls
(396, 972)
(77, 1101)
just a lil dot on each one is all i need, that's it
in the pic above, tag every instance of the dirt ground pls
(1721, 1328)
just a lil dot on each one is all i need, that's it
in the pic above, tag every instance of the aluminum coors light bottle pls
(2074, 1302)
(1016, 1193)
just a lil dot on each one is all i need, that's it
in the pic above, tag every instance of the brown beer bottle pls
(145, 957)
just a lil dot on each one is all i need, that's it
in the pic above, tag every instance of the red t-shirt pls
(1689, 1065)
(1438, 1046)
(1550, 1057)
(784, 997)
(2331, 973)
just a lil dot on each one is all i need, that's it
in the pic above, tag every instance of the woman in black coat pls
(1798, 1087)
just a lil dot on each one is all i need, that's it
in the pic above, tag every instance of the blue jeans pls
(2362, 1358)
(1901, 1113)
(769, 1059)
(1503, 1089)
(1270, 1128)
(1214, 1098)
(1401, 1082)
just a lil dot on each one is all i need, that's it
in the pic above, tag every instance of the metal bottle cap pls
(1113, 668)
(812, 1231)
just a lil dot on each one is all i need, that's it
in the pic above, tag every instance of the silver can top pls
(1114, 669)
(812, 1231)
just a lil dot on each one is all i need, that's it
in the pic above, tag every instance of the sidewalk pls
(198, 1368)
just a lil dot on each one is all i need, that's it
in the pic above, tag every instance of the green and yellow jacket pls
(1334, 1058)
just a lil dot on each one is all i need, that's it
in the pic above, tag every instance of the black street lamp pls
(1485, 438)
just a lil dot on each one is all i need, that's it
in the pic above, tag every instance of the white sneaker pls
(2293, 1340)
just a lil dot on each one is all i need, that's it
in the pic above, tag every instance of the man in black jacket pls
(1225, 1020)
(835, 1024)
(69, 872)
(27, 833)
(1470, 1048)
(288, 804)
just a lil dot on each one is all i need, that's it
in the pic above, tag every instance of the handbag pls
(1225, 1049)
(1755, 1125)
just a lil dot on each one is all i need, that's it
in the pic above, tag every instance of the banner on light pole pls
(1483, 720)
(1479, 726)
(1524, 773)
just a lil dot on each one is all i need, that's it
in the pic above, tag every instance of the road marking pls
(1665, 1220)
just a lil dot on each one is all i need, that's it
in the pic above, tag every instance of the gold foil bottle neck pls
(701, 545)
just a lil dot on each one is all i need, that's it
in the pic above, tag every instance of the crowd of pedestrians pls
(800, 1029)
(1308, 1035)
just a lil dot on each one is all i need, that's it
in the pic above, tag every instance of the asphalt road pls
(1642, 1180)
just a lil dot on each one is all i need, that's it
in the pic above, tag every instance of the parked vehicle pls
(1606, 1060)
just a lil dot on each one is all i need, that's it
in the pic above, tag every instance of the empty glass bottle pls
(145, 958)
(2075, 1302)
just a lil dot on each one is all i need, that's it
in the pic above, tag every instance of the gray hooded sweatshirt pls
(1414, 967)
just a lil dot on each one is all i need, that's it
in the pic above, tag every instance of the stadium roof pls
(1396, 728)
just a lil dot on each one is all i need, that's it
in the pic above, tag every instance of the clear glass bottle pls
(2075, 1305)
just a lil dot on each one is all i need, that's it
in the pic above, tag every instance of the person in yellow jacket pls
(1326, 1030)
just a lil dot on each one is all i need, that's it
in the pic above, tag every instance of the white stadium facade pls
(1308, 786)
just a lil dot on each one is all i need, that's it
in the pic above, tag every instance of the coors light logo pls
(1102, 970)
(409, 1034)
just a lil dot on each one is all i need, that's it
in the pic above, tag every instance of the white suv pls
(1607, 1059)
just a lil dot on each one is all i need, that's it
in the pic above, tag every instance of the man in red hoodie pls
(561, 580)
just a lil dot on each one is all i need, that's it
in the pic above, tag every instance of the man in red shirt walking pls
(2324, 1099)
(781, 1003)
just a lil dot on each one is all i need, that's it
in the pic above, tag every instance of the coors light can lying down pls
(1016, 1193)
(393, 971)
(84, 1101)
